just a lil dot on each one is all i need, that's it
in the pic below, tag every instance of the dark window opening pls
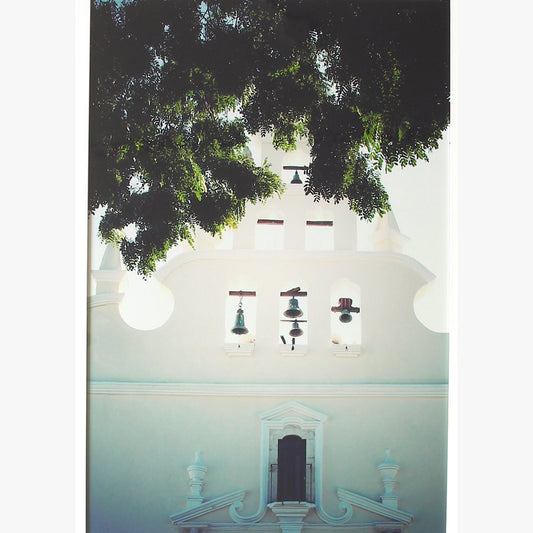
(291, 469)
(319, 223)
(270, 222)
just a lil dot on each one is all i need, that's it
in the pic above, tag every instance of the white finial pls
(387, 236)
(388, 470)
(197, 459)
(197, 472)
(110, 274)
(388, 458)
(111, 259)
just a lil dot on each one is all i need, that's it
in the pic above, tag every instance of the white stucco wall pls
(157, 396)
(190, 345)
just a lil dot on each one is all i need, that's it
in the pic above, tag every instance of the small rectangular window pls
(269, 234)
(270, 221)
(319, 235)
(319, 223)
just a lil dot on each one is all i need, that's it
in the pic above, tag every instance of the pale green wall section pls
(139, 449)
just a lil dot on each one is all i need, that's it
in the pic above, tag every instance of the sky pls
(420, 199)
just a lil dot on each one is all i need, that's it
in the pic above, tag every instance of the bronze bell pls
(239, 328)
(296, 331)
(345, 316)
(296, 178)
(346, 309)
(293, 311)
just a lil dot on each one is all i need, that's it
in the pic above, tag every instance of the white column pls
(294, 221)
(244, 236)
(319, 311)
(344, 228)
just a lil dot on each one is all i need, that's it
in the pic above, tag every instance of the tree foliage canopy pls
(176, 86)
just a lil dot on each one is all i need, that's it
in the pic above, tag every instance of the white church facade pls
(291, 388)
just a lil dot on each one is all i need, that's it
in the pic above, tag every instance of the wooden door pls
(291, 469)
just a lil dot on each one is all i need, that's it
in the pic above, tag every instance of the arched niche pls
(295, 158)
(247, 303)
(287, 323)
(270, 230)
(319, 229)
(285, 467)
(346, 333)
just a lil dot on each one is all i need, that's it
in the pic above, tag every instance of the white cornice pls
(109, 275)
(104, 298)
(426, 390)
(294, 256)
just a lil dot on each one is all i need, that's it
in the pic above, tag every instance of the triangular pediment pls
(388, 516)
(377, 508)
(208, 507)
(293, 410)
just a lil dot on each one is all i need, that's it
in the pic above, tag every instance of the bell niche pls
(293, 317)
(346, 310)
(241, 317)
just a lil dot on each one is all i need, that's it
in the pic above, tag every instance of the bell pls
(346, 309)
(239, 328)
(296, 330)
(293, 311)
(345, 316)
(296, 178)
